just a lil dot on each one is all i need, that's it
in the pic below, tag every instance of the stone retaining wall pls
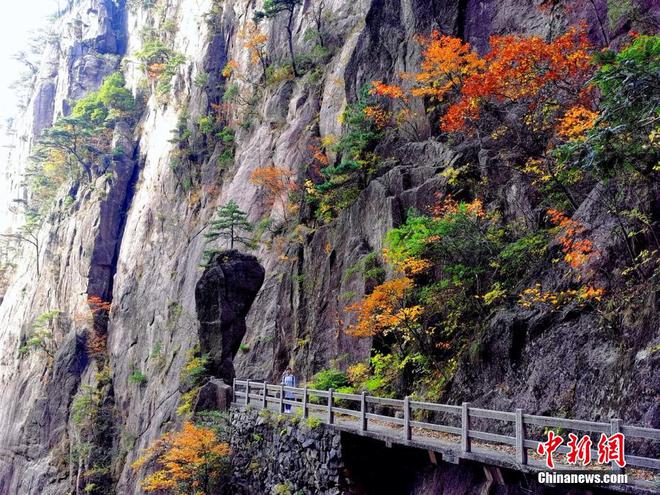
(284, 455)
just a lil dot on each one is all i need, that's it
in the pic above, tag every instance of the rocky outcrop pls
(223, 296)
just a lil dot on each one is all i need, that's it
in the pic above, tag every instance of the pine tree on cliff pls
(229, 223)
(272, 8)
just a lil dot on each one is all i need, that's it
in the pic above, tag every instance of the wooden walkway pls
(456, 432)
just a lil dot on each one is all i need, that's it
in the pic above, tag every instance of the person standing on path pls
(288, 380)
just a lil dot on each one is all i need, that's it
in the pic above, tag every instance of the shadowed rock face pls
(223, 296)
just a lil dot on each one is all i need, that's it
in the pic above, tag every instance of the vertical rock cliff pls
(134, 237)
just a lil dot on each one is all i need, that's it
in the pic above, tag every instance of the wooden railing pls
(357, 406)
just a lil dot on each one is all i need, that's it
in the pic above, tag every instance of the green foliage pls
(202, 79)
(470, 263)
(313, 422)
(627, 133)
(277, 73)
(41, 337)
(285, 488)
(105, 106)
(356, 160)
(195, 370)
(137, 378)
(230, 223)
(85, 406)
(370, 268)
(206, 124)
(514, 259)
(74, 148)
(330, 378)
(160, 62)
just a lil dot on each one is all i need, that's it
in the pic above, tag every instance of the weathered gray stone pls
(214, 395)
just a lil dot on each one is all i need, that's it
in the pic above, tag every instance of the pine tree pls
(272, 8)
(229, 222)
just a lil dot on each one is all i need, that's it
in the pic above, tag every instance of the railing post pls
(265, 404)
(407, 432)
(281, 399)
(304, 404)
(363, 411)
(247, 392)
(331, 415)
(521, 451)
(465, 427)
(615, 427)
(233, 390)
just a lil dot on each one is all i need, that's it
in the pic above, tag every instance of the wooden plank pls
(430, 406)
(247, 394)
(355, 397)
(491, 437)
(454, 430)
(615, 427)
(304, 406)
(521, 451)
(490, 414)
(572, 424)
(386, 419)
(317, 407)
(643, 462)
(348, 412)
(640, 432)
(407, 431)
(465, 427)
(264, 403)
(385, 402)
(363, 411)
(331, 415)
(239, 382)
(317, 393)
(281, 399)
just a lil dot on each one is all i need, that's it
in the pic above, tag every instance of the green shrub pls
(137, 378)
(626, 133)
(356, 160)
(330, 378)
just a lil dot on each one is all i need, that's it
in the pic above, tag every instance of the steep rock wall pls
(138, 237)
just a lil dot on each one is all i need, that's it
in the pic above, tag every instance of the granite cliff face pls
(135, 237)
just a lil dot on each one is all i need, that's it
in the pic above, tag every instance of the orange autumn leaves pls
(549, 80)
(277, 183)
(578, 252)
(188, 461)
(384, 309)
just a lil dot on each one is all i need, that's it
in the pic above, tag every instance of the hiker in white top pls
(288, 380)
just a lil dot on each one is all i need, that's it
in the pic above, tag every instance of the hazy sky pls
(17, 20)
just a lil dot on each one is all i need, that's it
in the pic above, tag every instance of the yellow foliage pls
(576, 122)
(535, 295)
(188, 461)
(357, 373)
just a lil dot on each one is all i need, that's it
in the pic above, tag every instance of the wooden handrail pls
(330, 403)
